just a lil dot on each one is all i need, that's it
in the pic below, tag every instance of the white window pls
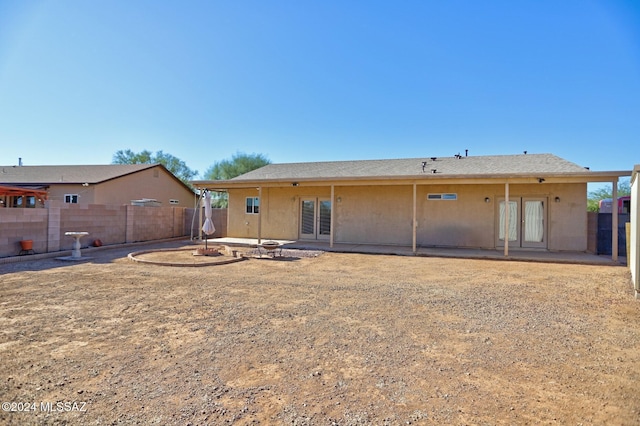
(71, 198)
(253, 205)
(447, 196)
(174, 201)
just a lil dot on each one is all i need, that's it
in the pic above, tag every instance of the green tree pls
(173, 164)
(239, 164)
(593, 200)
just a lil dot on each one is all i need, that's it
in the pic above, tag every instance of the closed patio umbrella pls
(208, 227)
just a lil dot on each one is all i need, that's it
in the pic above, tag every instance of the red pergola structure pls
(16, 191)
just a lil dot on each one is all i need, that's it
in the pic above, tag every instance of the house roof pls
(427, 168)
(32, 175)
(479, 165)
(43, 176)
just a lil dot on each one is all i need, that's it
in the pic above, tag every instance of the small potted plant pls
(26, 245)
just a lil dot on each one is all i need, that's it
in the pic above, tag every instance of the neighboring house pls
(112, 184)
(455, 201)
(624, 205)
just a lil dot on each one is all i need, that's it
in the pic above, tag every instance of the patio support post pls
(199, 204)
(506, 219)
(333, 208)
(614, 221)
(260, 205)
(415, 222)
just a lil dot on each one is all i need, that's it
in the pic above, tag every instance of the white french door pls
(527, 222)
(315, 218)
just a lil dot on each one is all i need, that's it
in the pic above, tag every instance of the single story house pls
(111, 184)
(525, 201)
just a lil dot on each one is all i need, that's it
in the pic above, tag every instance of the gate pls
(604, 233)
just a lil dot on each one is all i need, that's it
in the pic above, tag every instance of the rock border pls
(220, 260)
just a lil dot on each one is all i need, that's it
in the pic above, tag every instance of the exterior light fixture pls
(294, 184)
(487, 199)
(557, 199)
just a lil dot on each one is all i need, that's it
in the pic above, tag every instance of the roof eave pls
(589, 176)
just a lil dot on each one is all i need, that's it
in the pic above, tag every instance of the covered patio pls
(460, 253)
(525, 206)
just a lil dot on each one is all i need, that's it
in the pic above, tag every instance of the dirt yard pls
(343, 339)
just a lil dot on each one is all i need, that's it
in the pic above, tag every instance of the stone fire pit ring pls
(185, 258)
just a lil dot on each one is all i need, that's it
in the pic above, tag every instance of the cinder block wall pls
(105, 223)
(154, 223)
(22, 224)
(218, 216)
(110, 224)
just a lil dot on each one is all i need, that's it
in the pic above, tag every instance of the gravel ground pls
(313, 339)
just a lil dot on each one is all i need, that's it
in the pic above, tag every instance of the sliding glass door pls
(315, 219)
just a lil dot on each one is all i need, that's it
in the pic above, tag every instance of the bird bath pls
(75, 254)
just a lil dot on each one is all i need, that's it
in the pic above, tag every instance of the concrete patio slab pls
(462, 253)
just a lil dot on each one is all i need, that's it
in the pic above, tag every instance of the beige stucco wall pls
(279, 208)
(383, 214)
(466, 222)
(568, 228)
(374, 214)
(153, 183)
(86, 194)
(472, 222)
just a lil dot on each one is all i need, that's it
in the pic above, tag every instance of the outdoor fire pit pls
(271, 247)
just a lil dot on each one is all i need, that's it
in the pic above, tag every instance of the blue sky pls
(319, 80)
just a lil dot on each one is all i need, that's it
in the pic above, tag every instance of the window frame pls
(252, 205)
(442, 196)
(70, 197)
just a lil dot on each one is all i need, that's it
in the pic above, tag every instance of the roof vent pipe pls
(466, 152)
(20, 161)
